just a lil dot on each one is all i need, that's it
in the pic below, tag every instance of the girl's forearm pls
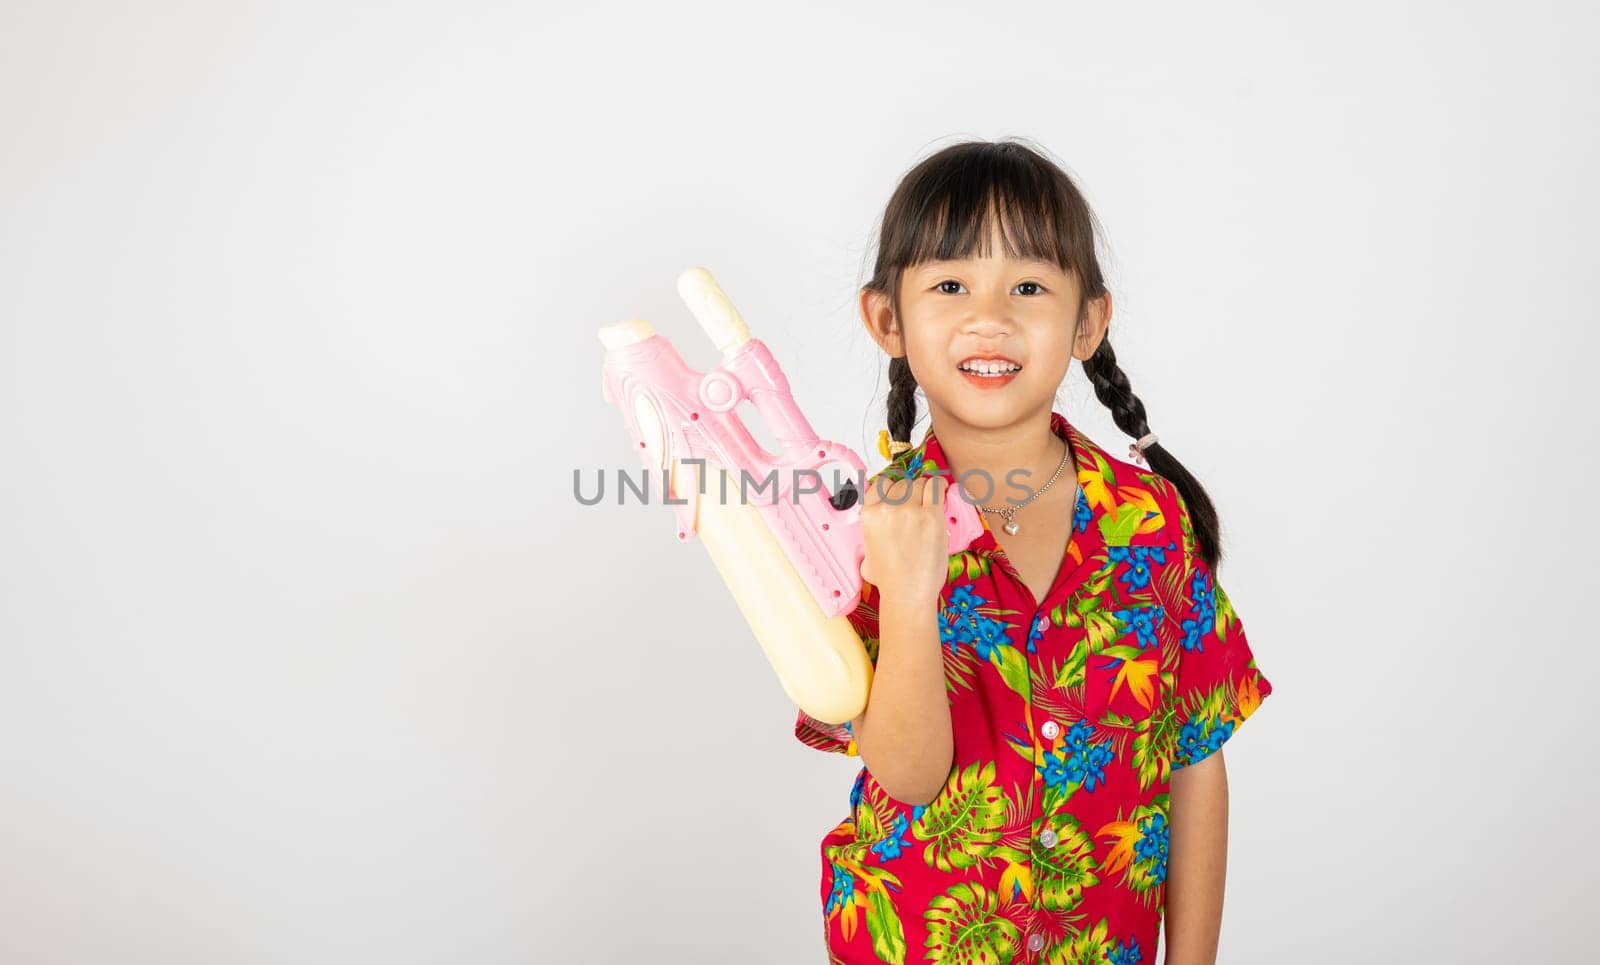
(1197, 861)
(905, 737)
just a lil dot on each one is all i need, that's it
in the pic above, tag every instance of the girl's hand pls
(907, 547)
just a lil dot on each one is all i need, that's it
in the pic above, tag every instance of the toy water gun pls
(791, 554)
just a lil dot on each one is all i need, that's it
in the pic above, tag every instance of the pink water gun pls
(787, 546)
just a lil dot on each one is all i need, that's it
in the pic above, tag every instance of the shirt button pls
(1051, 730)
(1048, 838)
(1043, 624)
(1035, 942)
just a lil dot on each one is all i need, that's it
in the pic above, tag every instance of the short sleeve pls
(1215, 683)
(837, 738)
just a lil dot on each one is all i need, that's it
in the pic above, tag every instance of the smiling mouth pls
(984, 380)
(997, 369)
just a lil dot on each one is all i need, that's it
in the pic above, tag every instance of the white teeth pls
(989, 368)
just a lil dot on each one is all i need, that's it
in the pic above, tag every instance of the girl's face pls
(1025, 312)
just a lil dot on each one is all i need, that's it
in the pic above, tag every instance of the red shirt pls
(1049, 839)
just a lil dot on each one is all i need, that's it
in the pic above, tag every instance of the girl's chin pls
(987, 408)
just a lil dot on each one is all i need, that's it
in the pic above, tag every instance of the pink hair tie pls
(1136, 451)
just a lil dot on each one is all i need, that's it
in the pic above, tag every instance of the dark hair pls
(942, 209)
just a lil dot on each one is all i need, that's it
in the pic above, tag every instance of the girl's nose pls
(990, 313)
(988, 320)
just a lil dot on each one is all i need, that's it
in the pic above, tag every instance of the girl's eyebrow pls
(943, 265)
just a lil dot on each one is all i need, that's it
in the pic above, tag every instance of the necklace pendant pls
(1012, 527)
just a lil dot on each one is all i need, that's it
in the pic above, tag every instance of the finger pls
(919, 494)
(898, 492)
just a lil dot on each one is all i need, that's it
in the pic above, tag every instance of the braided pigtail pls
(1115, 392)
(902, 400)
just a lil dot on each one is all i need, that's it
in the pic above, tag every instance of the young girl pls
(1043, 774)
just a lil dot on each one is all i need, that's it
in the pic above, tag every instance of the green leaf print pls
(887, 931)
(1064, 871)
(868, 828)
(1013, 667)
(1102, 627)
(967, 565)
(1087, 598)
(1146, 759)
(851, 853)
(1122, 651)
(1202, 704)
(1055, 796)
(1092, 946)
(1070, 676)
(963, 928)
(964, 821)
(1118, 526)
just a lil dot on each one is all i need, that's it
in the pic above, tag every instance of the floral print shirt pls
(1048, 842)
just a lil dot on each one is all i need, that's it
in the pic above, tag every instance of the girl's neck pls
(990, 453)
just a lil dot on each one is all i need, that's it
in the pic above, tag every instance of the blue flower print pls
(1205, 595)
(844, 887)
(1143, 620)
(964, 603)
(960, 622)
(1220, 733)
(1128, 954)
(916, 812)
(1200, 738)
(1034, 636)
(892, 846)
(1079, 761)
(1153, 845)
(1137, 571)
(1078, 736)
(949, 634)
(988, 635)
(1088, 767)
(1205, 613)
(1189, 741)
(1055, 768)
(955, 631)
(1081, 514)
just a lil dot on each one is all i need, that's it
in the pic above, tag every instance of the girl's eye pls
(951, 281)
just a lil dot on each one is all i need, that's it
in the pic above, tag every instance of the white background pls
(310, 655)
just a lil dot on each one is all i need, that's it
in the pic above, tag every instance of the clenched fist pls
(907, 545)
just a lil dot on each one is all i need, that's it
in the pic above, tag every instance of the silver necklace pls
(1009, 512)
